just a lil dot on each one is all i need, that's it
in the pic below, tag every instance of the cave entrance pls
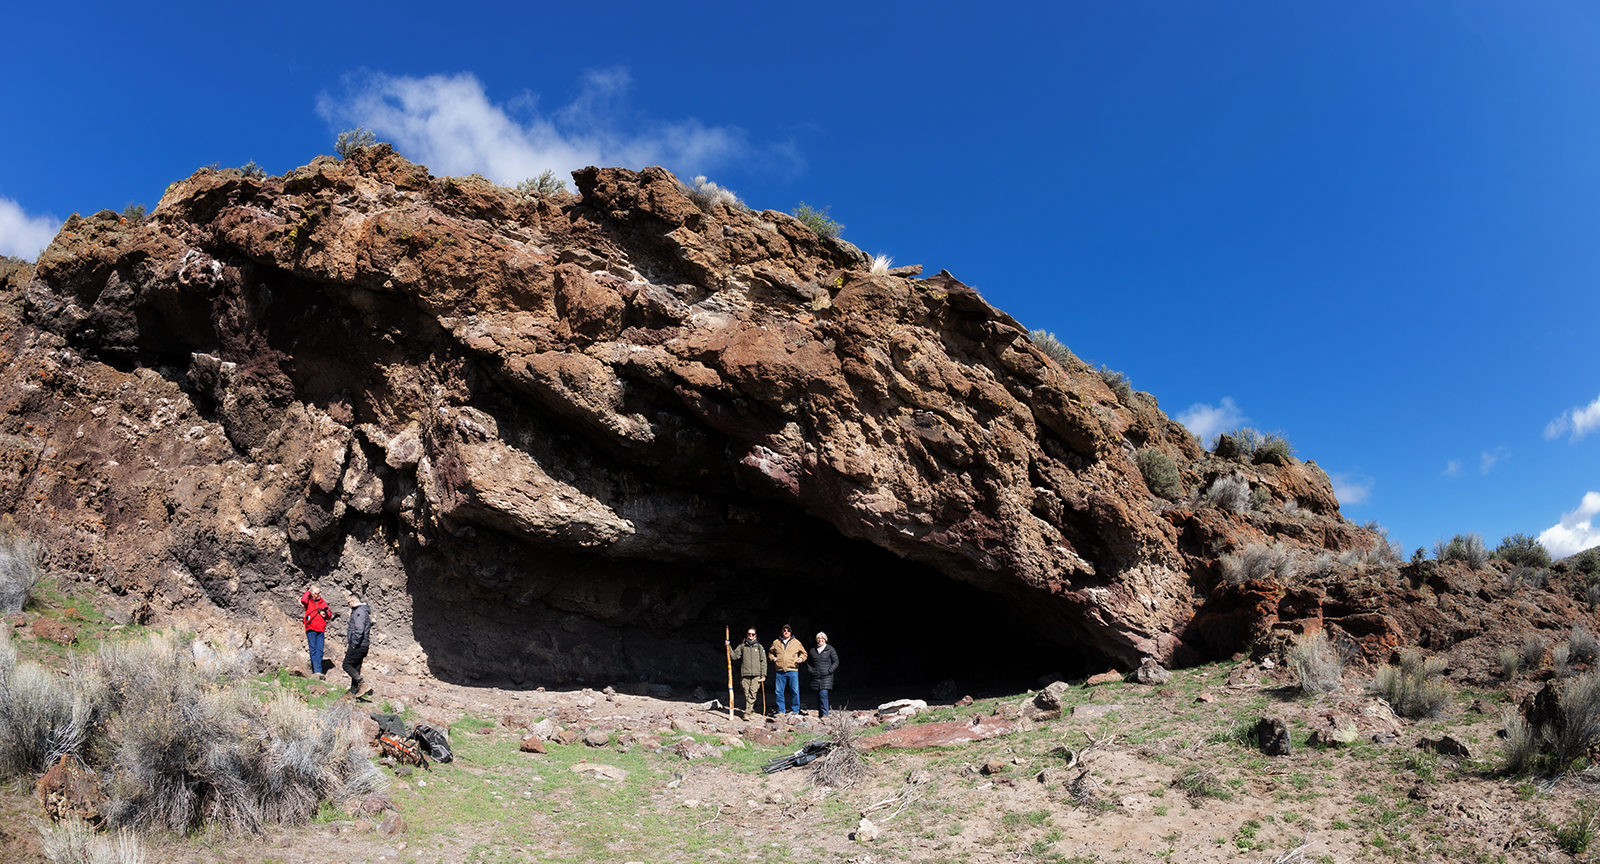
(519, 617)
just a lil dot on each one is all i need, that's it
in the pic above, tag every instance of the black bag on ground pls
(435, 740)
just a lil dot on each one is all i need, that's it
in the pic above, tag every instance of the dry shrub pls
(1578, 726)
(1582, 645)
(1414, 688)
(1315, 663)
(1230, 492)
(844, 765)
(42, 715)
(1510, 661)
(74, 841)
(1533, 651)
(1559, 657)
(1521, 744)
(707, 195)
(1259, 562)
(19, 569)
(1200, 783)
(179, 747)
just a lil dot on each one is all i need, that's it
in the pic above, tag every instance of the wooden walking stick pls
(728, 648)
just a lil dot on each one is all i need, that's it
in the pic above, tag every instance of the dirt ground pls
(1126, 773)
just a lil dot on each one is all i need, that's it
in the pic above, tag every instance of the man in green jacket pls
(752, 662)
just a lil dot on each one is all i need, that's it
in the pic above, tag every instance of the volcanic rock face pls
(559, 438)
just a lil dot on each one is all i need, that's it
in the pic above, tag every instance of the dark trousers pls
(353, 659)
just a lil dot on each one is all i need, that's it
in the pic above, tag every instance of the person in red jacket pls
(315, 619)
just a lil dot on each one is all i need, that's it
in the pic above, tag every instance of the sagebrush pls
(1229, 492)
(817, 220)
(1416, 687)
(1316, 663)
(351, 140)
(1465, 548)
(1258, 562)
(1053, 348)
(1160, 474)
(19, 569)
(177, 745)
(708, 196)
(544, 184)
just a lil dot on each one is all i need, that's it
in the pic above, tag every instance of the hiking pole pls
(727, 647)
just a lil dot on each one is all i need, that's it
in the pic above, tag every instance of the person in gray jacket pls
(358, 635)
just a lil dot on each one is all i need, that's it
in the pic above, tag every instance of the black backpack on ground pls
(435, 741)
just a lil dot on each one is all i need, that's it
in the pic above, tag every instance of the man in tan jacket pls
(787, 654)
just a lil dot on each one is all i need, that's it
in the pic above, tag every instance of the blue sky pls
(1369, 226)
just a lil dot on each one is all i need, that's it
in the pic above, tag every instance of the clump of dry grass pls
(74, 841)
(1532, 651)
(1316, 664)
(1256, 562)
(1510, 662)
(42, 714)
(1582, 647)
(1521, 744)
(1200, 783)
(1415, 688)
(844, 765)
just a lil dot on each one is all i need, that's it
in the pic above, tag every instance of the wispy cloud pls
(1577, 422)
(449, 123)
(1452, 468)
(1576, 530)
(22, 235)
(1351, 488)
(1488, 458)
(1207, 421)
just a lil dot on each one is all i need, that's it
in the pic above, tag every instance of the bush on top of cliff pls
(176, 746)
(817, 220)
(707, 195)
(1053, 347)
(351, 140)
(1249, 445)
(545, 184)
(1523, 551)
(1468, 549)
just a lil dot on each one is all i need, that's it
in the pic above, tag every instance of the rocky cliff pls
(569, 437)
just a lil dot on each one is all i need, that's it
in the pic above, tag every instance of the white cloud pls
(1576, 530)
(1452, 468)
(1488, 458)
(448, 123)
(1207, 421)
(1579, 421)
(22, 235)
(1351, 488)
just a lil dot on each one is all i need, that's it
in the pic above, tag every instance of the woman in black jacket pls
(820, 666)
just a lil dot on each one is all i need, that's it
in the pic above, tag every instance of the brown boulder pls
(70, 789)
(51, 630)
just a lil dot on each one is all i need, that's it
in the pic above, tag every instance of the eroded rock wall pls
(564, 437)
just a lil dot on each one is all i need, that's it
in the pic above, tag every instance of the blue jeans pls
(822, 702)
(788, 684)
(314, 642)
